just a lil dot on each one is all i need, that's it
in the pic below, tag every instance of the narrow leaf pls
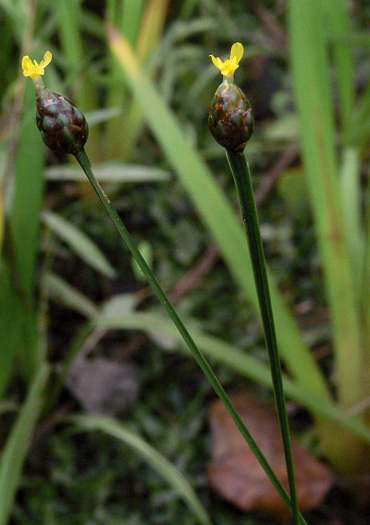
(158, 462)
(79, 242)
(18, 442)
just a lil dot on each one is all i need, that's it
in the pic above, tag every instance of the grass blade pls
(24, 225)
(128, 15)
(132, 11)
(310, 62)
(110, 172)
(18, 442)
(350, 188)
(10, 325)
(158, 462)
(27, 199)
(79, 242)
(336, 13)
(57, 288)
(69, 15)
(148, 39)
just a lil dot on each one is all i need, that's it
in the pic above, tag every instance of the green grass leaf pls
(311, 76)
(158, 462)
(57, 288)
(10, 325)
(79, 242)
(18, 442)
(110, 172)
(336, 13)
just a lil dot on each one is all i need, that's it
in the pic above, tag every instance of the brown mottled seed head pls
(230, 118)
(63, 127)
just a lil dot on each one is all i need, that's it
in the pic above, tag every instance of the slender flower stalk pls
(63, 128)
(231, 123)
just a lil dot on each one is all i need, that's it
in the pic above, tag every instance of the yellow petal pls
(217, 62)
(26, 62)
(229, 66)
(33, 69)
(46, 60)
(237, 51)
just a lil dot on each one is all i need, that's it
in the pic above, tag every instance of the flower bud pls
(230, 118)
(63, 127)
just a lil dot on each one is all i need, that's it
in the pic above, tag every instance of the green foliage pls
(156, 460)
(336, 212)
(18, 442)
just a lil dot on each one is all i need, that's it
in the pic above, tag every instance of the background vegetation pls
(80, 332)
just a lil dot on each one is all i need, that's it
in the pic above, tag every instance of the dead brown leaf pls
(236, 475)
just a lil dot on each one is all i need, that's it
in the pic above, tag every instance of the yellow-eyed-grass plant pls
(316, 391)
(64, 129)
(231, 123)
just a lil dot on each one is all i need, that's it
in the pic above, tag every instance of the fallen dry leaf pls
(236, 475)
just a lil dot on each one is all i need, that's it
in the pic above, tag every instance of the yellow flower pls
(35, 70)
(228, 67)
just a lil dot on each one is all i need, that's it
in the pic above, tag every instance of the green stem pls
(203, 363)
(243, 182)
